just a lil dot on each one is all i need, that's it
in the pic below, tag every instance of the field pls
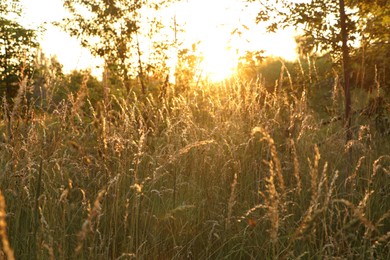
(226, 170)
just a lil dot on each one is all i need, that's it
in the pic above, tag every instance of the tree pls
(112, 30)
(346, 68)
(330, 24)
(187, 71)
(17, 49)
(373, 56)
(16, 53)
(48, 81)
(10, 6)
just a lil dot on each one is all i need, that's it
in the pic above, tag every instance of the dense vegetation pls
(221, 170)
(254, 167)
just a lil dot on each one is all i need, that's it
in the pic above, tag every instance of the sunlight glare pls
(213, 23)
(210, 23)
(219, 63)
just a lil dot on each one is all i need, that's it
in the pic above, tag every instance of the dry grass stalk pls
(87, 225)
(49, 250)
(352, 179)
(363, 202)
(288, 73)
(188, 148)
(381, 240)
(305, 224)
(81, 94)
(274, 155)
(140, 150)
(301, 67)
(377, 166)
(359, 214)
(331, 188)
(182, 208)
(323, 181)
(296, 166)
(310, 75)
(251, 210)
(313, 211)
(385, 216)
(3, 229)
(314, 173)
(231, 202)
(272, 203)
(20, 97)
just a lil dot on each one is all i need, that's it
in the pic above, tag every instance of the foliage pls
(187, 71)
(17, 50)
(326, 26)
(372, 58)
(373, 22)
(74, 84)
(318, 23)
(10, 7)
(316, 20)
(114, 30)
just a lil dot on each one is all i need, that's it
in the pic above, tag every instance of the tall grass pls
(228, 170)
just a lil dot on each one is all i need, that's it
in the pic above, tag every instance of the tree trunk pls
(346, 71)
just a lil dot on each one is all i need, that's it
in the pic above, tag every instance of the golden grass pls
(3, 230)
(225, 171)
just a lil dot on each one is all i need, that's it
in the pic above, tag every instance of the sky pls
(208, 21)
(213, 21)
(55, 42)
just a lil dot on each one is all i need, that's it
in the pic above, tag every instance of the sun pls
(219, 63)
(226, 29)
(210, 22)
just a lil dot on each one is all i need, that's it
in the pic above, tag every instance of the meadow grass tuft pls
(229, 170)
(7, 250)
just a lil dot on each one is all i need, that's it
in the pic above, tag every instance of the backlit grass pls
(223, 171)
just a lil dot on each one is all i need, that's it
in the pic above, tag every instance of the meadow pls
(228, 170)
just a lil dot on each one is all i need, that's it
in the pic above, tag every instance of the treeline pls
(119, 30)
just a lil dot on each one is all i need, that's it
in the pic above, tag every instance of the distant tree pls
(187, 71)
(75, 81)
(112, 30)
(48, 80)
(17, 48)
(373, 57)
(250, 63)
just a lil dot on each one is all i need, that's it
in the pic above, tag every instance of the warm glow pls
(219, 63)
(210, 23)
(226, 29)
